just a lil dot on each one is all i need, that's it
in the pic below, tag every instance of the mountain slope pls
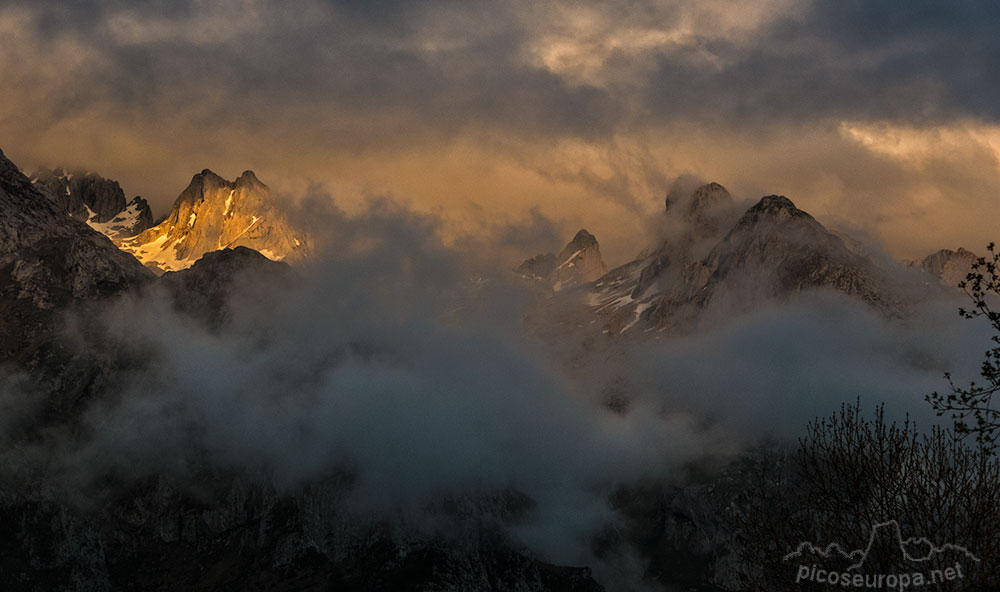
(212, 214)
(695, 220)
(48, 258)
(50, 263)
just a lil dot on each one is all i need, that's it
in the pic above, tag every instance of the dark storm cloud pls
(918, 62)
(368, 60)
(412, 70)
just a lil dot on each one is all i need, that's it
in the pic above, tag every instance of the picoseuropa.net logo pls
(887, 562)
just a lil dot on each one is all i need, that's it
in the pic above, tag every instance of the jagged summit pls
(582, 240)
(100, 202)
(773, 251)
(772, 207)
(213, 213)
(579, 262)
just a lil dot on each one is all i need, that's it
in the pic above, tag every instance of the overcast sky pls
(879, 116)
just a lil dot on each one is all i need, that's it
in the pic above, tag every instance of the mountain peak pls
(708, 195)
(582, 240)
(213, 213)
(771, 208)
(248, 178)
(774, 251)
(207, 176)
(775, 204)
(950, 267)
(90, 198)
(579, 262)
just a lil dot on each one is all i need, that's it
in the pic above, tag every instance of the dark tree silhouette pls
(972, 408)
(849, 474)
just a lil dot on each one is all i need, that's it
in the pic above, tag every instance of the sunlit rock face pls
(95, 200)
(214, 214)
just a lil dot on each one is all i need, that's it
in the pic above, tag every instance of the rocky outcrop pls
(578, 263)
(95, 200)
(49, 260)
(950, 267)
(212, 214)
(539, 267)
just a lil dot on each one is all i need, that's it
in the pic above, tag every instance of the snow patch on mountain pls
(213, 213)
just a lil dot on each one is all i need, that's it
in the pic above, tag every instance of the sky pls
(879, 118)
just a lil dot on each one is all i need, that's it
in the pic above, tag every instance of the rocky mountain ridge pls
(95, 200)
(718, 261)
(579, 262)
(213, 214)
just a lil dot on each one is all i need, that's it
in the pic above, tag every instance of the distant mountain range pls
(718, 260)
(719, 257)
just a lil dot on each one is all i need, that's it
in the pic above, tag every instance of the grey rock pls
(578, 263)
(91, 198)
(950, 267)
(539, 267)
(775, 250)
(49, 261)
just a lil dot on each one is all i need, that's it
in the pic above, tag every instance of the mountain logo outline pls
(861, 555)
